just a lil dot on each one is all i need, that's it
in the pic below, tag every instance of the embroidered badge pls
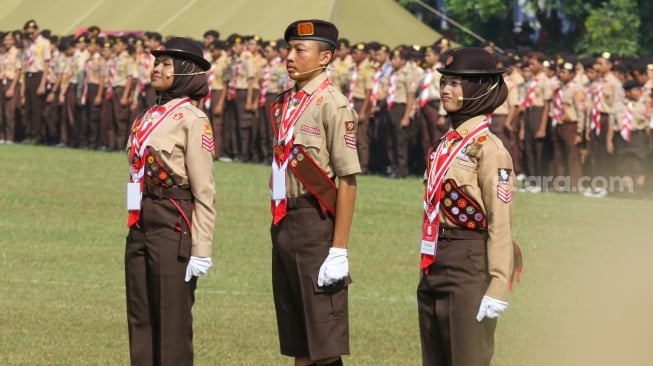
(481, 138)
(350, 127)
(504, 175)
(504, 190)
(350, 141)
(177, 116)
(461, 209)
(310, 129)
(207, 142)
(473, 150)
(319, 100)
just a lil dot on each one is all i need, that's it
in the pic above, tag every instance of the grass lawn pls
(586, 296)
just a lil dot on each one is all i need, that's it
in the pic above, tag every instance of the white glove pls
(334, 268)
(491, 308)
(197, 266)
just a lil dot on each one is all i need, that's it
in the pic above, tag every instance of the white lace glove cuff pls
(197, 266)
(334, 268)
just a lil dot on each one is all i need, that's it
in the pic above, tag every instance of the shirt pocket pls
(463, 175)
(311, 143)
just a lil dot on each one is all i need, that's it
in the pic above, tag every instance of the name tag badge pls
(133, 201)
(429, 238)
(278, 183)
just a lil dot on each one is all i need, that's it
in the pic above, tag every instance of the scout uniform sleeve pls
(341, 123)
(199, 164)
(496, 181)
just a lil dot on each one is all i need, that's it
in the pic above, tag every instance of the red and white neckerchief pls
(595, 113)
(530, 95)
(380, 73)
(111, 79)
(292, 108)
(210, 75)
(426, 84)
(439, 162)
(141, 132)
(626, 126)
(87, 74)
(390, 99)
(558, 109)
(352, 85)
(232, 90)
(29, 54)
(265, 79)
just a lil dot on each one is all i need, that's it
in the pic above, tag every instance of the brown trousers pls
(312, 321)
(363, 136)
(159, 301)
(217, 123)
(8, 110)
(69, 118)
(448, 299)
(266, 136)
(114, 121)
(600, 162)
(566, 155)
(34, 104)
(88, 123)
(533, 147)
(398, 141)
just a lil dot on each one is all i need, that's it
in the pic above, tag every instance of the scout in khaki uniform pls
(400, 100)
(36, 63)
(609, 94)
(359, 82)
(11, 66)
(66, 84)
(315, 143)
(631, 136)
(170, 198)
(433, 122)
(217, 95)
(535, 109)
(273, 82)
(501, 120)
(568, 122)
(121, 72)
(240, 93)
(379, 111)
(91, 94)
(467, 250)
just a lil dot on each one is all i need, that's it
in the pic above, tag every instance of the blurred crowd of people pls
(571, 124)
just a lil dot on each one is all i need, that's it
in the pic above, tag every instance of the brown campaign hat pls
(468, 61)
(183, 48)
(312, 29)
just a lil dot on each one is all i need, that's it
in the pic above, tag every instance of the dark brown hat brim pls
(497, 71)
(203, 63)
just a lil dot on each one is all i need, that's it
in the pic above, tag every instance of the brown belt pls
(158, 192)
(457, 234)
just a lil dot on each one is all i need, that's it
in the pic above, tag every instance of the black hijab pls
(483, 94)
(193, 86)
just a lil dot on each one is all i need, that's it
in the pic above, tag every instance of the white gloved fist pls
(491, 308)
(197, 266)
(334, 268)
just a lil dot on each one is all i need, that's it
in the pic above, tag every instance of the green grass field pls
(586, 296)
